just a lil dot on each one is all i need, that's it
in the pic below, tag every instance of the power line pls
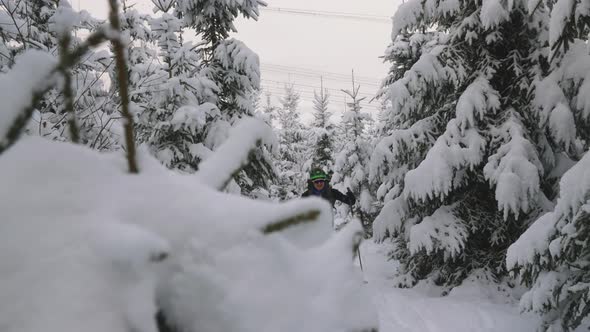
(310, 70)
(342, 82)
(318, 73)
(279, 85)
(279, 89)
(330, 14)
(339, 82)
(283, 83)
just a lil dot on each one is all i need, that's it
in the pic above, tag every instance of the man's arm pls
(346, 199)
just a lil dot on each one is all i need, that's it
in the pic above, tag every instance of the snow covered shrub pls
(472, 133)
(86, 246)
(102, 250)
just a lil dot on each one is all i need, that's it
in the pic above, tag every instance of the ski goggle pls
(318, 181)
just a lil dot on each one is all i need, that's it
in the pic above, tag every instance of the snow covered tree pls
(255, 96)
(552, 256)
(293, 159)
(290, 104)
(468, 160)
(237, 72)
(234, 69)
(323, 131)
(179, 101)
(269, 110)
(352, 162)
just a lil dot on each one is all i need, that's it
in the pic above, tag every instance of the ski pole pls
(358, 252)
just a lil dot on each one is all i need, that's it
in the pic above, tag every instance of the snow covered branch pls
(515, 169)
(31, 74)
(440, 232)
(407, 16)
(569, 20)
(458, 150)
(390, 219)
(229, 159)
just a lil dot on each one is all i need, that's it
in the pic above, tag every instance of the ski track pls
(411, 310)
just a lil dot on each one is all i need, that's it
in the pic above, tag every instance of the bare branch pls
(64, 45)
(98, 78)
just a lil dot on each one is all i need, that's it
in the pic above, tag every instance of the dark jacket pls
(331, 194)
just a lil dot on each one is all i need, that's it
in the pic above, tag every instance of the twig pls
(123, 87)
(11, 14)
(103, 127)
(98, 78)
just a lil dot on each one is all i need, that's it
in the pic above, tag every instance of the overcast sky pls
(301, 48)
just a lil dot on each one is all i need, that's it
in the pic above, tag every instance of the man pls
(318, 185)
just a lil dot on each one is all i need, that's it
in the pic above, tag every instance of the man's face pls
(319, 184)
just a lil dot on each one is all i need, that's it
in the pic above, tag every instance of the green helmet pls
(317, 174)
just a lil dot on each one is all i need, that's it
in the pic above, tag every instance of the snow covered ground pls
(472, 307)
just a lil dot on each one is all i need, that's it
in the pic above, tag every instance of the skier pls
(319, 185)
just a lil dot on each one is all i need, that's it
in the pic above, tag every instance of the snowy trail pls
(472, 308)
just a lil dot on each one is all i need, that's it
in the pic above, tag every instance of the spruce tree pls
(463, 169)
(181, 100)
(352, 162)
(235, 71)
(293, 145)
(269, 110)
(322, 131)
(552, 256)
